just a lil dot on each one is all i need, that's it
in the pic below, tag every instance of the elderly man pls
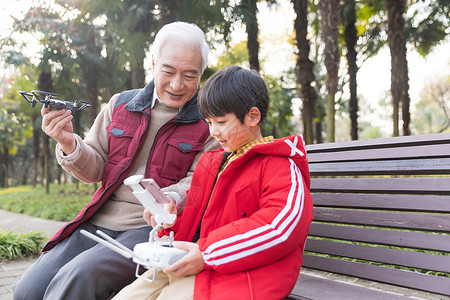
(156, 131)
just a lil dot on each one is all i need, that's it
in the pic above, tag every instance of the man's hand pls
(170, 208)
(190, 264)
(57, 125)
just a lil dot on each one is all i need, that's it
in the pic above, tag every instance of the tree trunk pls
(350, 36)
(45, 83)
(90, 74)
(319, 139)
(251, 26)
(305, 70)
(138, 76)
(46, 165)
(145, 25)
(399, 64)
(6, 165)
(26, 173)
(36, 150)
(168, 12)
(330, 16)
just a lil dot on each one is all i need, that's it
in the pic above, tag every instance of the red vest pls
(176, 145)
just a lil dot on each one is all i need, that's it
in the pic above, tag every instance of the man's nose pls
(176, 83)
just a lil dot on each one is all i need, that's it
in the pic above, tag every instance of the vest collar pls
(143, 99)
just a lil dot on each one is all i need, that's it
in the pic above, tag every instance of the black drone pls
(49, 99)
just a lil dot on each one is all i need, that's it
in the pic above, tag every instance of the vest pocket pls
(119, 139)
(178, 158)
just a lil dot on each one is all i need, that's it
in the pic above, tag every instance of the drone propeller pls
(26, 95)
(39, 94)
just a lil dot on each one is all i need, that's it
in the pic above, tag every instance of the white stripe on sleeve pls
(240, 246)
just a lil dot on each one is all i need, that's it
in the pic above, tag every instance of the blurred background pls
(336, 70)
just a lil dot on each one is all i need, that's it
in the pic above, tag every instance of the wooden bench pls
(381, 217)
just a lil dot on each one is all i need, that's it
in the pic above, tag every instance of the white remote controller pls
(157, 256)
(157, 253)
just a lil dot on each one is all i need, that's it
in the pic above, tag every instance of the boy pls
(248, 208)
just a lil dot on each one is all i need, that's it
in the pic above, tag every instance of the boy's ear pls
(254, 116)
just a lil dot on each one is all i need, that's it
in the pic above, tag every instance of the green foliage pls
(371, 27)
(432, 111)
(24, 80)
(13, 132)
(62, 204)
(428, 117)
(13, 245)
(278, 121)
(237, 55)
(428, 25)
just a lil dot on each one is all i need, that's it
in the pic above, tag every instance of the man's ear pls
(254, 116)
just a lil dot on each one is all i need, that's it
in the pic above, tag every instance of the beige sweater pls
(122, 211)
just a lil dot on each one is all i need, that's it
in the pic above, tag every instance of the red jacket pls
(254, 221)
(176, 145)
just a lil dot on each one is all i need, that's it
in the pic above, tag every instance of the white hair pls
(188, 33)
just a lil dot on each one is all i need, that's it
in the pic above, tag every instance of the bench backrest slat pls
(428, 222)
(397, 257)
(404, 239)
(412, 186)
(426, 166)
(383, 143)
(412, 152)
(428, 203)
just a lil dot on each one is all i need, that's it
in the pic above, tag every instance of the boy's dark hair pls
(233, 90)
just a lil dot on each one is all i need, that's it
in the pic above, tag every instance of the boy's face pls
(231, 133)
(177, 73)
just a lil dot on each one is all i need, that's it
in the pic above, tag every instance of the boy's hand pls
(190, 264)
(170, 208)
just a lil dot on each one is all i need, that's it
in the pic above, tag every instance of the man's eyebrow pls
(194, 71)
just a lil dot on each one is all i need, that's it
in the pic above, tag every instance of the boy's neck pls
(256, 135)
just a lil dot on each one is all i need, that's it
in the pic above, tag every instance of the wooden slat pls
(409, 185)
(431, 283)
(412, 152)
(413, 221)
(403, 141)
(440, 263)
(433, 166)
(316, 288)
(416, 240)
(425, 203)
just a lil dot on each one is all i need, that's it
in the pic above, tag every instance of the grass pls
(62, 204)
(14, 245)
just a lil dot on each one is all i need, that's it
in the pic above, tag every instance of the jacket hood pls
(141, 100)
(292, 147)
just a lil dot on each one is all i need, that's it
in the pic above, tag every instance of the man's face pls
(177, 73)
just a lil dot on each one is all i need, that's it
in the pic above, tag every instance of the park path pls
(11, 270)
